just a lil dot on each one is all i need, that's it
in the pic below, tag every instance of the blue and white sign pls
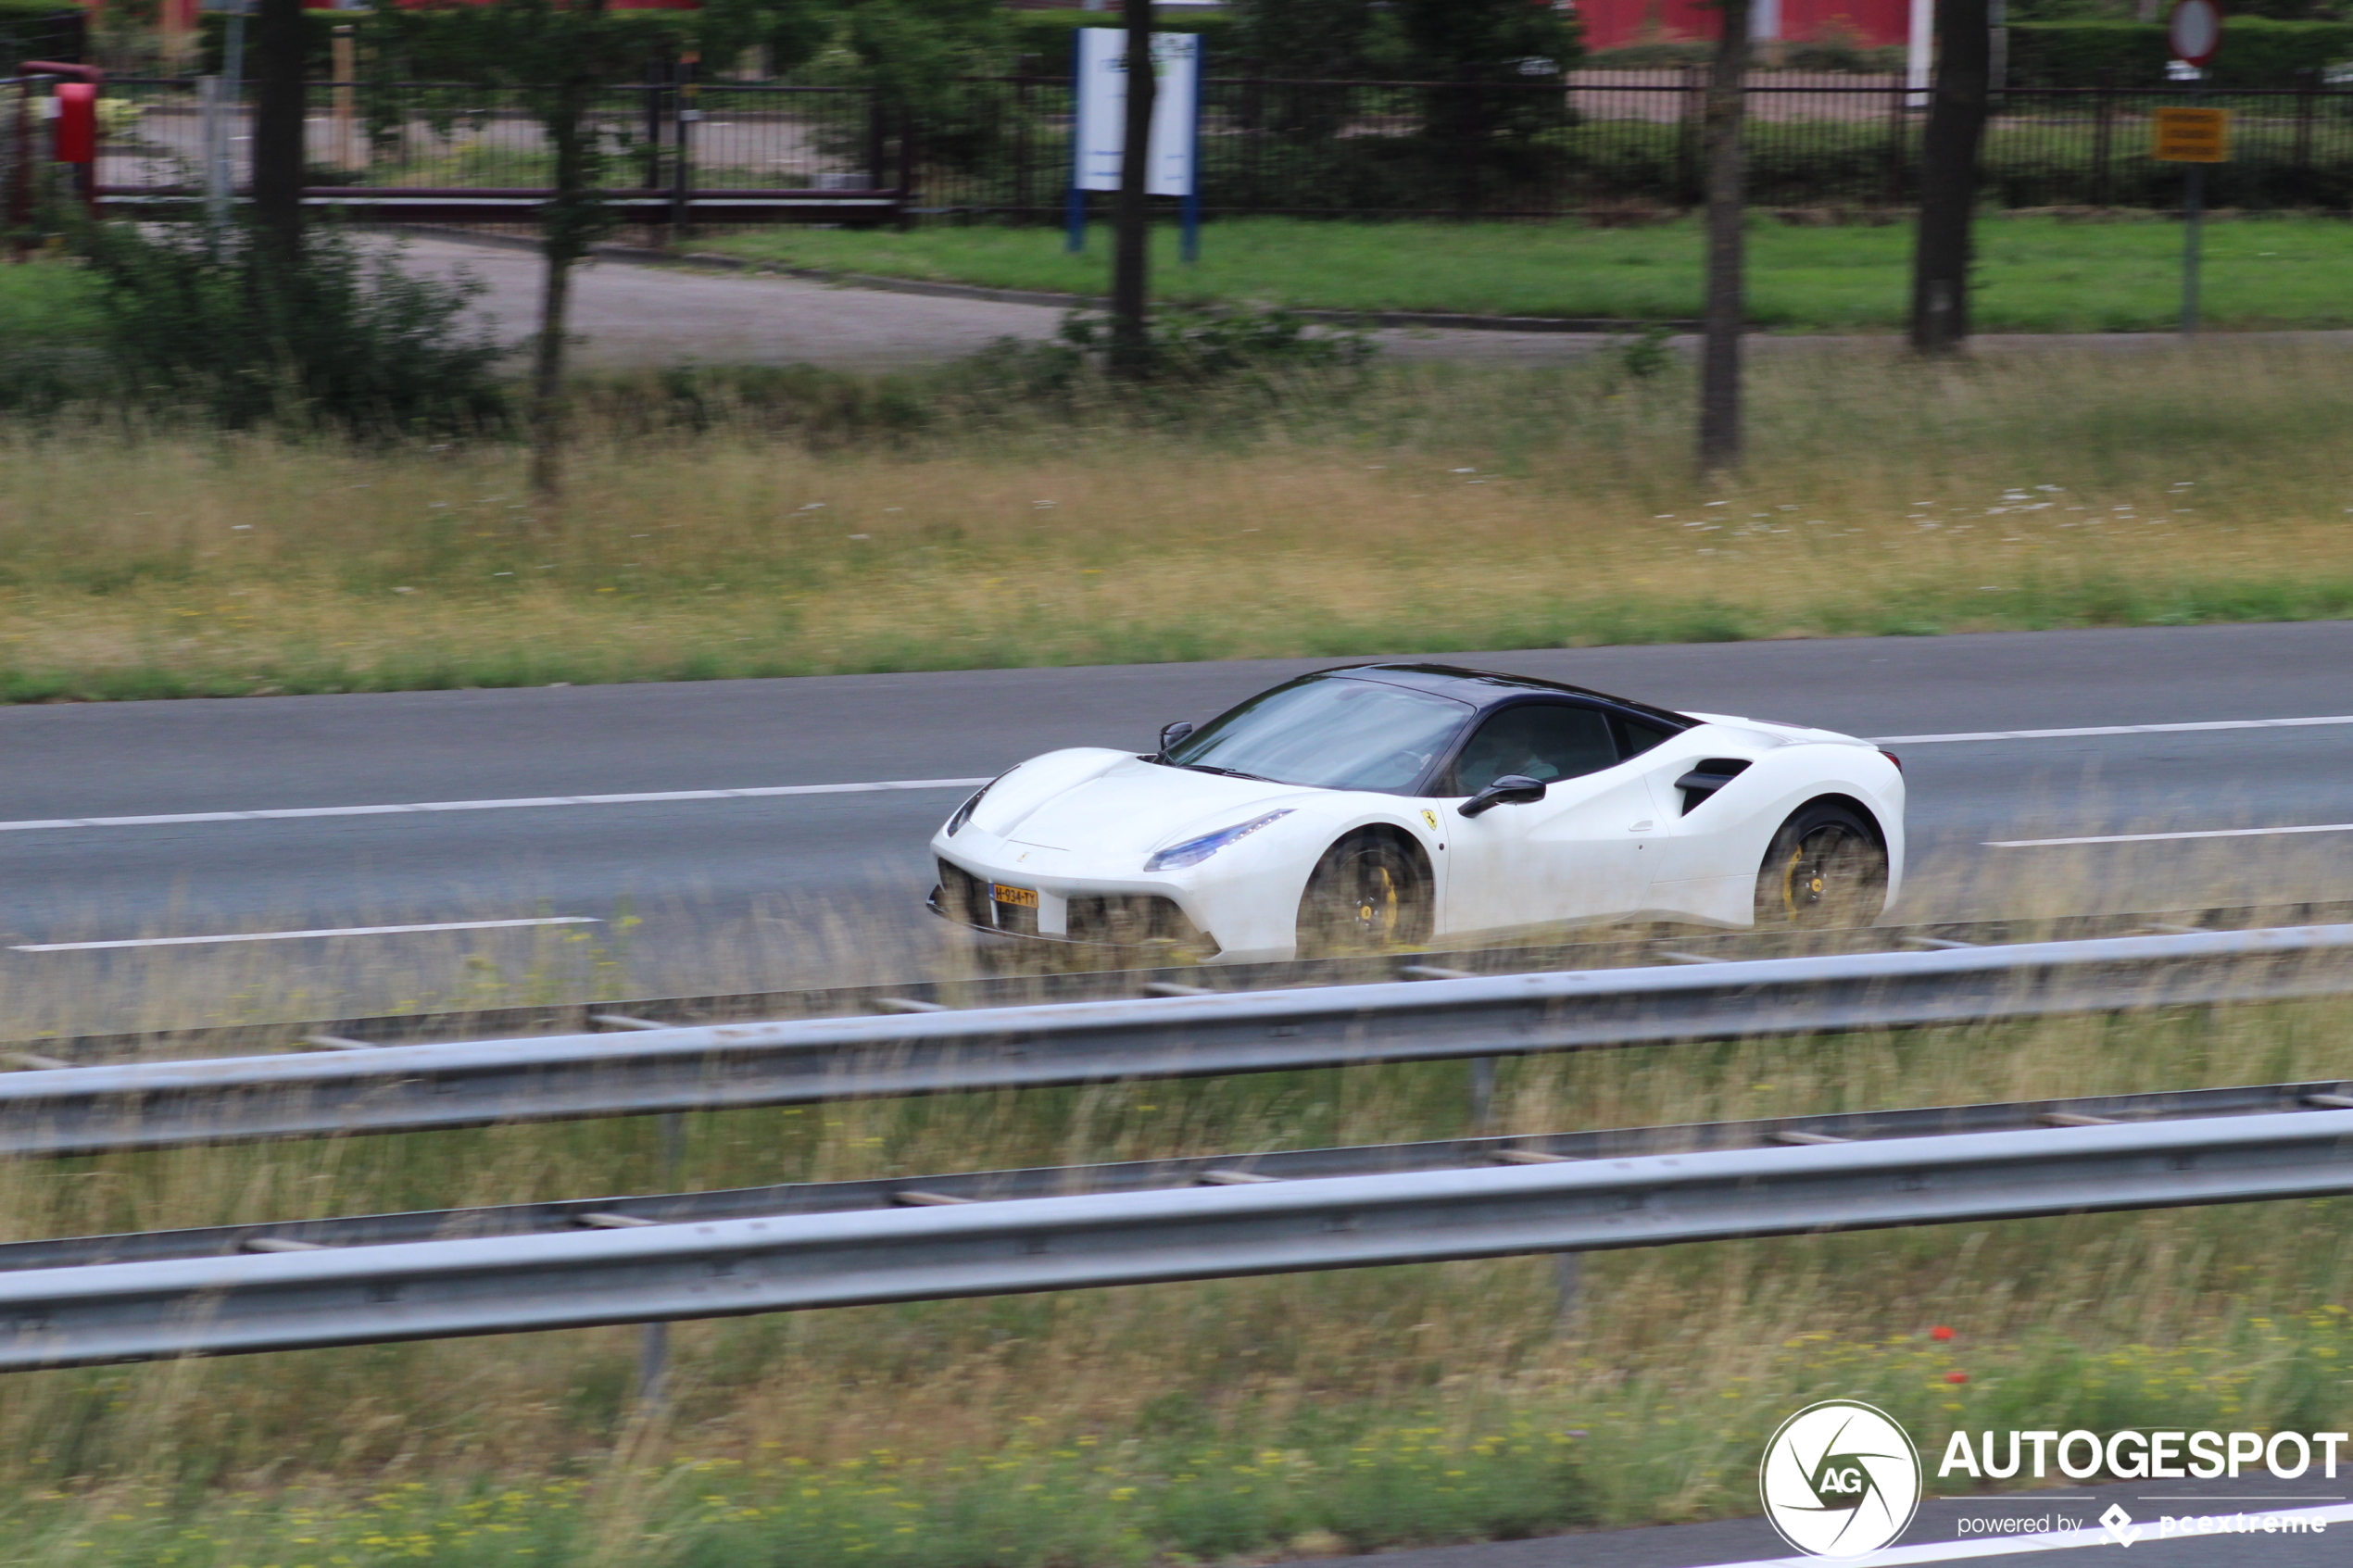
(1102, 132)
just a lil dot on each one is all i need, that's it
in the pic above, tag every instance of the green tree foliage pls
(1415, 40)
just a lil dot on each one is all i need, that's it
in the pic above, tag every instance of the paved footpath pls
(633, 314)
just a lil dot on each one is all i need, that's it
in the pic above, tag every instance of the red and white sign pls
(2194, 30)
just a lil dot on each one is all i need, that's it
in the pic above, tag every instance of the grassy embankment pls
(934, 522)
(1184, 1423)
(2033, 273)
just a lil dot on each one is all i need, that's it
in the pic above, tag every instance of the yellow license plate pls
(1024, 898)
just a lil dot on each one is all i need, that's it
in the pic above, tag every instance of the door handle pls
(1642, 826)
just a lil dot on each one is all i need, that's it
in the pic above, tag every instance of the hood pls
(1137, 806)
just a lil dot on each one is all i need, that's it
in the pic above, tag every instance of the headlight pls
(964, 812)
(1193, 851)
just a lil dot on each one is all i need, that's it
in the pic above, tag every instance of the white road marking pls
(2059, 1540)
(2109, 730)
(293, 935)
(654, 797)
(2159, 837)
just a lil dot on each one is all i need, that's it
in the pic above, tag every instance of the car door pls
(1583, 852)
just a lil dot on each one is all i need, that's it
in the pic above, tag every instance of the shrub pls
(2257, 52)
(217, 322)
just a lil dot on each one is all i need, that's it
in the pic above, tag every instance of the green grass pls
(2035, 273)
(45, 302)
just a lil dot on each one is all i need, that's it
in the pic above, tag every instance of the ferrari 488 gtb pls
(1398, 805)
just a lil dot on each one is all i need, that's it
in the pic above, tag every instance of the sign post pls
(1098, 138)
(2196, 136)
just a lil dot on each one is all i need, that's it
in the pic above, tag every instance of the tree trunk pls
(1719, 372)
(1948, 176)
(566, 228)
(276, 126)
(1131, 255)
(547, 380)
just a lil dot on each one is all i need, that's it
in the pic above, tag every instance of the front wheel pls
(1366, 895)
(1825, 868)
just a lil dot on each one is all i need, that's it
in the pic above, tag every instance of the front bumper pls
(1140, 922)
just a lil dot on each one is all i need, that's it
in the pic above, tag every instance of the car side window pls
(1545, 741)
(1639, 737)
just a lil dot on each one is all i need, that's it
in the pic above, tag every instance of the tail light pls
(1891, 757)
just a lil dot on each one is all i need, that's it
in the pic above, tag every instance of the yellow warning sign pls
(2190, 135)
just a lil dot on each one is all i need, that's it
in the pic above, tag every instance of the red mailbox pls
(77, 129)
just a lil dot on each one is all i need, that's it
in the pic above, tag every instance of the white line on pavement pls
(2156, 837)
(2056, 1540)
(649, 799)
(2109, 730)
(292, 935)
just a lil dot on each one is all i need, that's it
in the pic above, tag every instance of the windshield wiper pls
(1225, 772)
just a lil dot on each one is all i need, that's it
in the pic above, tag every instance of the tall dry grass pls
(713, 532)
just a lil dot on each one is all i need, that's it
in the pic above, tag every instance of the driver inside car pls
(1539, 741)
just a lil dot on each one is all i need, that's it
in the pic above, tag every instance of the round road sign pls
(2194, 30)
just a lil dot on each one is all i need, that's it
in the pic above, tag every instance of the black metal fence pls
(1000, 147)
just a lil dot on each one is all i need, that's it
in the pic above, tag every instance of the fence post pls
(20, 171)
(682, 161)
(1694, 92)
(657, 68)
(906, 166)
(1898, 130)
(1254, 139)
(1020, 146)
(2308, 88)
(213, 132)
(2102, 134)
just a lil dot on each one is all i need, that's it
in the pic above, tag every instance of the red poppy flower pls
(1940, 1332)
(1957, 1377)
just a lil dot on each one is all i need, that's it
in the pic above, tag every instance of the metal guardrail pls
(1613, 949)
(562, 1216)
(410, 1088)
(932, 1249)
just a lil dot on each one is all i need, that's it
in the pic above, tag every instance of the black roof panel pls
(1484, 688)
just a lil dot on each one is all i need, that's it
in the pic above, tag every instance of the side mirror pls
(1512, 789)
(1171, 733)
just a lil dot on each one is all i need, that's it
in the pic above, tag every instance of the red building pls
(1611, 24)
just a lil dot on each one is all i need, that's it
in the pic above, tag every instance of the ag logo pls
(1840, 1479)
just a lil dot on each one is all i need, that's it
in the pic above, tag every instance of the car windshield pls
(1332, 734)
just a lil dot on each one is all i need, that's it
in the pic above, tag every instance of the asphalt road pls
(627, 315)
(774, 889)
(1967, 1529)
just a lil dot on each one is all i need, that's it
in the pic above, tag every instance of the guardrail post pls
(1569, 1279)
(1482, 1091)
(653, 1341)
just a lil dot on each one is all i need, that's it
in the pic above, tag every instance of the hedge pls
(2257, 52)
(673, 30)
(39, 30)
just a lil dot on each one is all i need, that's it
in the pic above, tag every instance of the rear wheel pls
(1366, 895)
(1825, 868)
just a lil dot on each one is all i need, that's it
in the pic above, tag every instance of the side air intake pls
(1709, 775)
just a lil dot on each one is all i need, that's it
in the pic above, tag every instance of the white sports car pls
(1396, 804)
